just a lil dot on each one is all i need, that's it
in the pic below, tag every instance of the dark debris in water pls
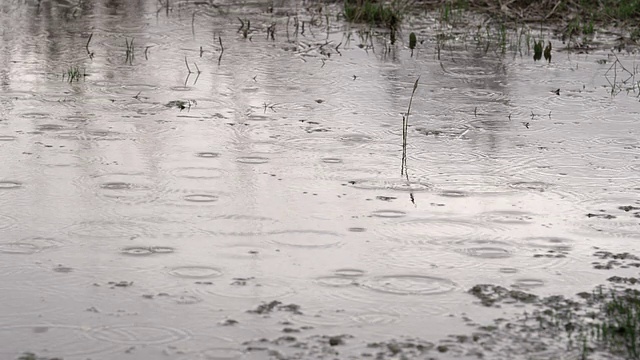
(229, 322)
(386, 198)
(241, 281)
(181, 104)
(403, 349)
(551, 254)
(635, 212)
(623, 280)
(123, 283)
(275, 305)
(619, 260)
(63, 269)
(491, 295)
(32, 356)
(602, 216)
(628, 208)
(289, 347)
(599, 324)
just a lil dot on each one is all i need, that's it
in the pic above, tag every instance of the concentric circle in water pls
(255, 160)
(29, 245)
(409, 284)
(486, 252)
(129, 188)
(481, 248)
(335, 281)
(251, 288)
(18, 248)
(348, 272)
(390, 184)
(201, 198)
(550, 242)
(527, 283)
(389, 213)
(197, 172)
(107, 229)
(138, 334)
(178, 299)
(195, 272)
(530, 185)
(52, 339)
(331, 160)
(207, 155)
(116, 185)
(376, 318)
(508, 270)
(146, 251)
(304, 238)
(8, 185)
(49, 127)
(236, 224)
(509, 217)
(216, 353)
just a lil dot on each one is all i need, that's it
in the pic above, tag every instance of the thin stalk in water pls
(405, 129)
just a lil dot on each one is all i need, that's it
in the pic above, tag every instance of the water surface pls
(145, 209)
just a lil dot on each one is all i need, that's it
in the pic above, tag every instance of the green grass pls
(620, 327)
(73, 74)
(375, 13)
(617, 9)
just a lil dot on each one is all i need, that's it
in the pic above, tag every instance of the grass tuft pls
(375, 13)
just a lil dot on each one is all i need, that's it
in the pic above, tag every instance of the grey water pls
(149, 207)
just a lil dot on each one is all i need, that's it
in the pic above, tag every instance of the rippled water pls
(130, 225)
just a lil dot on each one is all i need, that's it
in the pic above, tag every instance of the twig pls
(187, 64)
(221, 50)
(558, 2)
(87, 46)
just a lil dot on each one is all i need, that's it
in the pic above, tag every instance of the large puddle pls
(155, 209)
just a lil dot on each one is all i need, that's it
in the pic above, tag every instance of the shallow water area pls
(178, 183)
